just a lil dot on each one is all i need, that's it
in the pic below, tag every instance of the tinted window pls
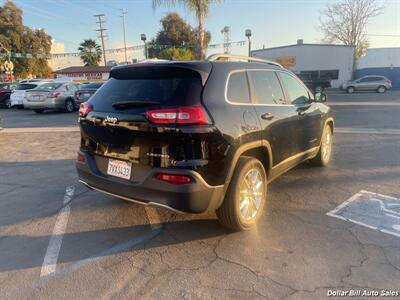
(94, 85)
(25, 86)
(49, 86)
(168, 91)
(297, 93)
(368, 79)
(329, 74)
(238, 89)
(71, 87)
(267, 88)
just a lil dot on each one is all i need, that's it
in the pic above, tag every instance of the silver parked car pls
(52, 95)
(376, 83)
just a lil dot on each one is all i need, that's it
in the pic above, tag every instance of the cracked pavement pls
(295, 252)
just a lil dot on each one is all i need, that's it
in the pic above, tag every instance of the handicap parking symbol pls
(375, 211)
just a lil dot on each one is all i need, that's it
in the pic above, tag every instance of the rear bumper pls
(196, 197)
(48, 103)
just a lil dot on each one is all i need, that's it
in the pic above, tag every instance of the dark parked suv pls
(202, 135)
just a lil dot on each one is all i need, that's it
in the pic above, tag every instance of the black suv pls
(202, 135)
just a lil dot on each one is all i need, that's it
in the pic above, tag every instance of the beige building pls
(84, 73)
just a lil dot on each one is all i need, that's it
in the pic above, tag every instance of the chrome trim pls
(133, 200)
(293, 157)
(216, 57)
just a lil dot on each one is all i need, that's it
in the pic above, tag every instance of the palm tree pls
(201, 8)
(90, 52)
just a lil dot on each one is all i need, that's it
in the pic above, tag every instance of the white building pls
(325, 61)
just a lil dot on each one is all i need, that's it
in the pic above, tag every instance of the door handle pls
(267, 116)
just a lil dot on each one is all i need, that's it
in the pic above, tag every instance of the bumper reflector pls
(80, 158)
(175, 179)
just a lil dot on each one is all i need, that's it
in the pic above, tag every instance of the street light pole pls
(248, 35)
(143, 38)
(124, 12)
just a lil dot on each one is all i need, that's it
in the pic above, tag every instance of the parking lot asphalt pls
(59, 240)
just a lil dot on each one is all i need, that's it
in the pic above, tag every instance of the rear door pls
(277, 119)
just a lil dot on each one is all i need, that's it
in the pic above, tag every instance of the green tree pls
(176, 54)
(201, 9)
(90, 52)
(21, 39)
(175, 32)
(345, 21)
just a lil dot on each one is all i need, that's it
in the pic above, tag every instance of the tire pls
(230, 214)
(381, 89)
(7, 103)
(319, 89)
(350, 90)
(325, 151)
(38, 111)
(69, 106)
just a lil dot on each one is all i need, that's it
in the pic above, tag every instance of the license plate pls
(119, 168)
(37, 98)
(86, 95)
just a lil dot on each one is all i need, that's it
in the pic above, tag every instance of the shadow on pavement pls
(22, 252)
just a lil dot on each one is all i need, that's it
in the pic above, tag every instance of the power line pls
(385, 35)
(101, 31)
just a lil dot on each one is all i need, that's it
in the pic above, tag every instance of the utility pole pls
(101, 31)
(226, 32)
(124, 12)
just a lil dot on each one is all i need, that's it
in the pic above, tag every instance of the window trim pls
(248, 88)
(299, 81)
(248, 83)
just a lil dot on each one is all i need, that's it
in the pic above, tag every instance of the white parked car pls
(18, 94)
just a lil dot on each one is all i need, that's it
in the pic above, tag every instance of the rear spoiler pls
(201, 69)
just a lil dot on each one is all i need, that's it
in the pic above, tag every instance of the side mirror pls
(320, 97)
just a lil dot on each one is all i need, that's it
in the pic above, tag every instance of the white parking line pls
(380, 131)
(356, 103)
(40, 129)
(53, 250)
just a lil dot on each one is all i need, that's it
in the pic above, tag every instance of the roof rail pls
(216, 57)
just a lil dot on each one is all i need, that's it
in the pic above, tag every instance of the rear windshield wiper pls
(137, 103)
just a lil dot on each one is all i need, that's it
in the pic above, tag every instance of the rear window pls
(94, 85)
(169, 88)
(49, 86)
(238, 89)
(25, 86)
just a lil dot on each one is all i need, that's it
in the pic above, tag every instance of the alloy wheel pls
(251, 194)
(8, 103)
(327, 145)
(70, 106)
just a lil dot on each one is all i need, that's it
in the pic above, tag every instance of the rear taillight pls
(85, 108)
(80, 158)
(53, 95)
(175, 179)
(192, 115)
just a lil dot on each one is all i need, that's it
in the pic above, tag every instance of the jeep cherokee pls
(201, 135)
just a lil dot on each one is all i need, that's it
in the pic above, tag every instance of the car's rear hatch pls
(149, 115)
(37, 95)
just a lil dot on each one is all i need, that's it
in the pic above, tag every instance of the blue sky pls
(273, 22)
